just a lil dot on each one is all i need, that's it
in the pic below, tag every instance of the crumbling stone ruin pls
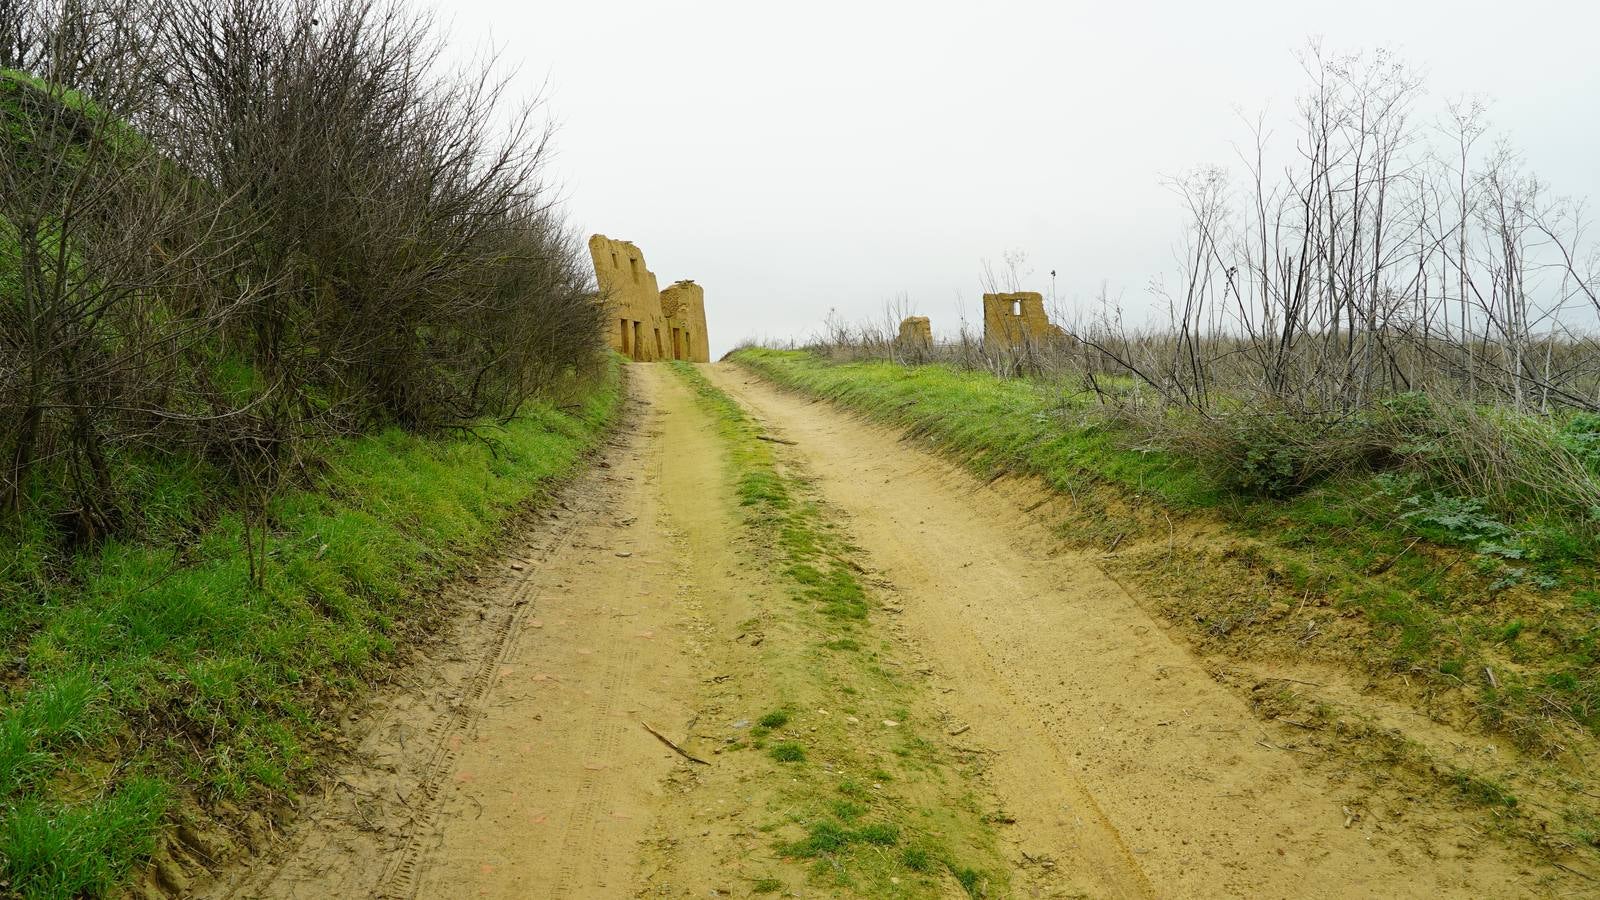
(684, 305)
(1015, 320)
(649, 324)
(916, 332)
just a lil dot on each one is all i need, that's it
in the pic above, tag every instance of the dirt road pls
(1095, 714)
(514, 761)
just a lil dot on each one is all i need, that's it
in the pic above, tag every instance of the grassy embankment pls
(1486, 623)
(855, 791)
(151, 669)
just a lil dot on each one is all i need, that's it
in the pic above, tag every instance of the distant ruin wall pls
(639, 324)
(916, 331)
(1012, 320)
(684, 305)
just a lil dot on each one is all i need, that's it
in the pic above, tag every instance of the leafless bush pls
(114, 275)
(1390, 259)
(1383, 261)
(394, 215)
(226, 228)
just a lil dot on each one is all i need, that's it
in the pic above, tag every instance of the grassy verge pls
(856, 796)
(1487, 624)
(148, 671)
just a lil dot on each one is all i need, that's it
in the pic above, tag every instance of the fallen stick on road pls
(675, 748)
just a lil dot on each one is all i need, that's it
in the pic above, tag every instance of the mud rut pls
(514, 761)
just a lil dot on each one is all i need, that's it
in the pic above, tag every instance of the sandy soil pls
(514, 761)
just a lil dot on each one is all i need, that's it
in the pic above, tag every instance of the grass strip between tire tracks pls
(863, 800)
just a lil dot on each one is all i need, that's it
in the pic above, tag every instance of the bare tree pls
(229, 227)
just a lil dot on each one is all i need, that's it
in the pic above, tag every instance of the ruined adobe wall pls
(644, 322)
(916, 331)
(636, 325)
(1003, 326)
(684, 305)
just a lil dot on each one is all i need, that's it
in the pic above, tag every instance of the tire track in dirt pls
(452, 680)
(399, 879)
(513, 763)
(580, 848)
(1109, 741)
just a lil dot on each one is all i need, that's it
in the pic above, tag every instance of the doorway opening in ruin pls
(626, 347)
(637, 354)
(677, 343)
(659, 352)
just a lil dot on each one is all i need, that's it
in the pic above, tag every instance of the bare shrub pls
(229, 228)
(1391, 259)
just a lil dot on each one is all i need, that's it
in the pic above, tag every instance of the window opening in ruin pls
(634, 265)
(1016, 307)
(625, 350)
(614, 263)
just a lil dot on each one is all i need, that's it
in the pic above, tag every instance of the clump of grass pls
(823, 838)
(882, 834)
(71, 850)
(847, 811)
(775, 719)
(828, 837)
(1482, 790)
(787, 752)
(766, 885)
(971, 880)
(917, 859)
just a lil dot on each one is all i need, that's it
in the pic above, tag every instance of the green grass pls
(1487, 610)
(153, 668)
(846, 796)
(996, 424)
(1444, 584)
(788, 751)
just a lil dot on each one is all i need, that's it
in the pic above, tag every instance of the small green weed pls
(882, 834)
(1482, 791)
(847, 811)
(787, 752)
(917, 859)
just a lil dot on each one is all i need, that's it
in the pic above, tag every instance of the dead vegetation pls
(226, 230)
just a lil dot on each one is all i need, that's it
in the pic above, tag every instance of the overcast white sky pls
(798, 157)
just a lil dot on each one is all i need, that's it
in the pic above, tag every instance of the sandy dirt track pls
(513, 760)
(1110, 740)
